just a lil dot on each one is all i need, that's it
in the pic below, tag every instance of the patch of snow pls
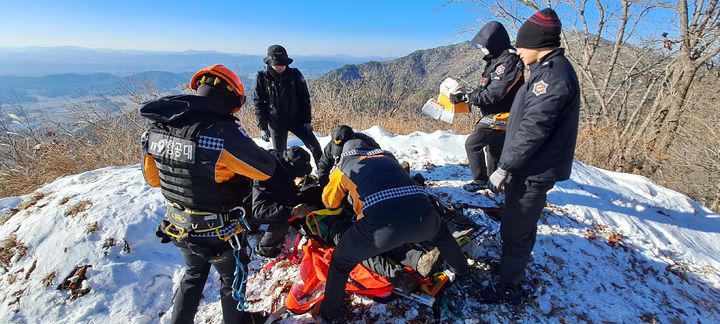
(610, 247)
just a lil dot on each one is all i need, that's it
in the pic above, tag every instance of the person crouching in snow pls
(203, 162)
(391, 210)
(274, 199)
(332, 151)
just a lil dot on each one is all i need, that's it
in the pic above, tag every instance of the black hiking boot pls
(254, 317)
(320, 319)
(428, 262)
(501, 294)
(267, 252)
(493, 266)
(475, 185)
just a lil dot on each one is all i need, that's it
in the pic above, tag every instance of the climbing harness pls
(231, 227)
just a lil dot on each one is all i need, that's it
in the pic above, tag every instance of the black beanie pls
(340, 135)
(540, 30)
(298, 161)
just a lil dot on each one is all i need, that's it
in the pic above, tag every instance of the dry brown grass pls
(692, 163)
(32, 201)
(91, 228)
(49, 278)
(32, 156)
(11, 250)
(34, 153)
(78, 208)
(64, 200)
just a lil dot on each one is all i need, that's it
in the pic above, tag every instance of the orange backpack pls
(309, 288)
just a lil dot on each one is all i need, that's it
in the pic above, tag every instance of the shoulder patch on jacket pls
(243, 131)
(210, 143)
(539, 88)
(500, 69)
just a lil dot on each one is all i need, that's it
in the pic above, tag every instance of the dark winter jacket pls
(273, 199)
(332, 152)
(503, 74)
(198, 155)
(282, 101)
(372, 178)
(543, 125)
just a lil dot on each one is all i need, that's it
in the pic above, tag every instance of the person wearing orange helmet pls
(204, 164)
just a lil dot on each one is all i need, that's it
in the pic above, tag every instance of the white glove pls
(497, 180)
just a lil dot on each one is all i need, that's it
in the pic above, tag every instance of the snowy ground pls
(611, 247)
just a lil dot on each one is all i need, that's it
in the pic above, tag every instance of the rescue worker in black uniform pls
(282, 103)
(501, 80)
(278, 199)
(204, 164)
(539, 147)
(332, 150)
(390, 210)
(274, 199)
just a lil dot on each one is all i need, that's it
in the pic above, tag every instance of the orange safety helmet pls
(234, 84)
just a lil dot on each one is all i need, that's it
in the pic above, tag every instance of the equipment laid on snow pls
(442, 108)
(308, 289)
(494, 213)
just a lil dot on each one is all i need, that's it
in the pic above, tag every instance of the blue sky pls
(384, 28)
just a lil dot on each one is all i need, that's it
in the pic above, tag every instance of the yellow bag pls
(497, 121)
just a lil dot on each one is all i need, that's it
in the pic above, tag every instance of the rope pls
(241, 274)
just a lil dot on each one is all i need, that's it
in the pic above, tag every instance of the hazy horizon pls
(384, 29)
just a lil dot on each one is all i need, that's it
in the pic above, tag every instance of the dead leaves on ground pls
(614, 239)
(74, 282)
(49, 278)
(78, 208)
(11, 250)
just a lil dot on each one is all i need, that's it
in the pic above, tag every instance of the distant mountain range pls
(34, 74)
(403, 83)
(39, 61)
(30, 89)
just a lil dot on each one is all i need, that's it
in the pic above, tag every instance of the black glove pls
(265, 135)
(458, 97)
(160, 232)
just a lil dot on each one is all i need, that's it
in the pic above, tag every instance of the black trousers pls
(410, 221)
(524, 203)
(274, 236)
(279, 140)
(482, 161)
(387, 264)
(277, 227)
(391, 263)
(200, 254)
